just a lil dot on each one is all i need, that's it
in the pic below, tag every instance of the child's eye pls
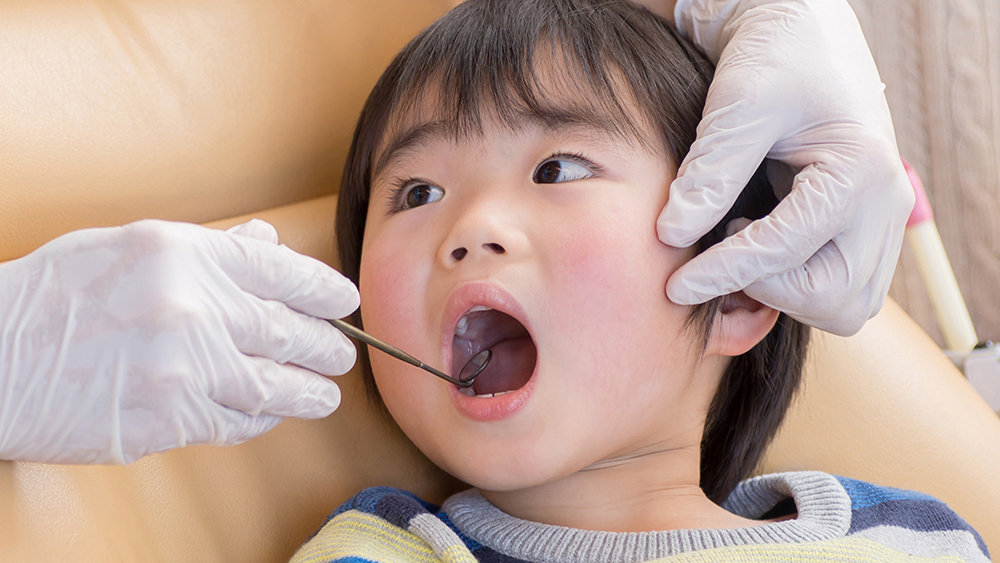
(557, 170)
(414, 194)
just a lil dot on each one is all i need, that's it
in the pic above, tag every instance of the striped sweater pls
(838, 519)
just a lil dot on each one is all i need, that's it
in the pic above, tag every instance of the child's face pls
(557, 229)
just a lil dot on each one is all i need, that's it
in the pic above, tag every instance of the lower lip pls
(492, 409)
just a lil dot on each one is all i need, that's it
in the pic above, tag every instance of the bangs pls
(609, 66)
(547, 84)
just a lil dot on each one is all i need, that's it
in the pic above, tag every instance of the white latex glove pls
(121, 342)
(795, 82)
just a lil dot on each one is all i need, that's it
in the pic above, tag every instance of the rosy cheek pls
(390, 310)
(612, 278)
(393, 285)
(588, 256)
(389, 293)
(606, 266)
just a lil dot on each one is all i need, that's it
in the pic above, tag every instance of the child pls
(501, 193)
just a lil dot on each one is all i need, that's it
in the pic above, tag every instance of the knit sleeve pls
(911, 522)
(354, 536)
(384, 525)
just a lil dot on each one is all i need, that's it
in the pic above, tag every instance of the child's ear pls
(740, 324)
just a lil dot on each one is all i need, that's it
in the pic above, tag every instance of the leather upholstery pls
(114, 111)
(191, 110)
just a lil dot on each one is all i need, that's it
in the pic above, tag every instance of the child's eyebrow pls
(407, 141)
(551, 118)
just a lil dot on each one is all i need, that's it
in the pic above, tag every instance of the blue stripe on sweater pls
(365, 501)
(487, 555)
(865, 494)
(916, 515)
(873, 506)
(398, 510)
(394, 505)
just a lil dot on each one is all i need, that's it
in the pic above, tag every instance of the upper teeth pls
(463, 324)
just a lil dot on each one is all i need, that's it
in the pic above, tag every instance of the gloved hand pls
(121, 342)
(795, 82)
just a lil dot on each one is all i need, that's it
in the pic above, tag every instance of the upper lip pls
(469, 295)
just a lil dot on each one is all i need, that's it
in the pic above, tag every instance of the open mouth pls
(514, 352)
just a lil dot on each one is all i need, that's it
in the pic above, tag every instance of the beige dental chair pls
(215, 111)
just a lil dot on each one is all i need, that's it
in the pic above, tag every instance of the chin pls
(503, 467)
(501, 479)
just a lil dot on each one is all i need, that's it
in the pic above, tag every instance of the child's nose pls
(461, 251)
(484, 232)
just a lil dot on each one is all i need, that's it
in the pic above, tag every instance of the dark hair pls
(483, 57)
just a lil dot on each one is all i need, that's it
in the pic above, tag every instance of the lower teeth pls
(470, 393)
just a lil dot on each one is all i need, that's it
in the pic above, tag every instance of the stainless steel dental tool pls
(472, 368)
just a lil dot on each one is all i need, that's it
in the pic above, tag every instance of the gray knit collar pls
(824, 512)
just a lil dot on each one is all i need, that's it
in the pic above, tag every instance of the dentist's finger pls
(271, 330)
(733, 138)
(256, 229)
(278, 273)
(265, 387)
(816, 293)
(239, 427)
(799, 225)
(843, 284)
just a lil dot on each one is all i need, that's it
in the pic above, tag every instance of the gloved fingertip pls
(330, 294)
(319, 399)
(256, 229)
(327, 399)
(685, 218)
(737, 225)
(678, 294)
(352, 297)
(672, 234)
(345, 357)
(258, 425)
(680, 290)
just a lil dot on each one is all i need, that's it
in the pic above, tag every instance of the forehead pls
(428, 118)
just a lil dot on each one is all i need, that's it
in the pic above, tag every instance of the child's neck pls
(648, 490)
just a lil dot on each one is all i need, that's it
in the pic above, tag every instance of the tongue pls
(510, 368)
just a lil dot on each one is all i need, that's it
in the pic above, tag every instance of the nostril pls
(459, 253)
(494, 247)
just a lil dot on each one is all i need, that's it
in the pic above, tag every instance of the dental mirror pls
(472, 368)
(475, 366)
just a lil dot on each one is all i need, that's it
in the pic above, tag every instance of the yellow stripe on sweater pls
(844, 550)
(359, 534)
